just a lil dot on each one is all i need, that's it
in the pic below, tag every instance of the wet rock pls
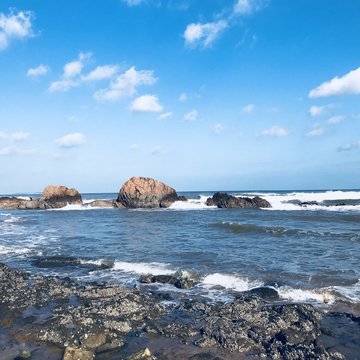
(144, 354)
(92, 336)
(56, 262)
(308, 203)
(225, 201)
(100, 203)
(182, 198)
(72, 353)
(54, 197)
(147, 279)
(183, 283)
(113, 342)
(145, 193)
(265, 293)
(57, 334)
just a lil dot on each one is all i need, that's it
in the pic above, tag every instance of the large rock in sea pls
(146, 193)
(226, 201)
(55, 197)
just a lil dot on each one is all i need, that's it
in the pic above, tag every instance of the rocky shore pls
(98, 321)
(136, 193)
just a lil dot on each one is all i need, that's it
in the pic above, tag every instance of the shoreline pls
(51, 313)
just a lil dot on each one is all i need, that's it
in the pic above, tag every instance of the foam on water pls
(232, 282)
(287, 201)
(153, 268)
(192, 204)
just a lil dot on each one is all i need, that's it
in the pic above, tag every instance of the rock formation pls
(224, 201)
(145, 193)
(53, 197)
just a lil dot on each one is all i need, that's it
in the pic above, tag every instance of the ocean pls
(307, 253)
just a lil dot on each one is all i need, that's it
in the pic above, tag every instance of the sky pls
(201, 95)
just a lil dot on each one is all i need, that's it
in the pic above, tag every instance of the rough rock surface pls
(224, 201)
(147, 193)
(92, 319)
(100, 203)
(53, 197)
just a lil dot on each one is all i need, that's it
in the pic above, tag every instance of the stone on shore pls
(100, 203)
(226, 201)
(142, 355)
(78, 354)
(146, 193)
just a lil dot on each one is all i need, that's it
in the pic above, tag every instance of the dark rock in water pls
(145, 193)
(342, 204)
(100, 203)
(309, 203)
(182, 198)
(265, 293)
(183, 283)
(56, 262)
(226, 201)
(180, 283)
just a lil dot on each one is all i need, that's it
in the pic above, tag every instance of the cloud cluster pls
(191, 116)
(14, 137)
(354, 145)
(125, 84)
(316, 132)
(41, 70)
(164, 116)
(71, 70)
(133, 2)
(15, 26)
(15, 150)
(146, 103)
(71, 140)
(274, 131)
(204, 34)
(248, 109)
(348, 84)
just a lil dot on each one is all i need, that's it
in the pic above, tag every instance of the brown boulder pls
(55, 197)
(100, 203)
(145, 193)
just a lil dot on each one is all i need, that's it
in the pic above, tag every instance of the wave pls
(192, 204)
(153, 268)
(244, 228)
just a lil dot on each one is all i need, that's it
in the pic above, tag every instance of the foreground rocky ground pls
(98, 321)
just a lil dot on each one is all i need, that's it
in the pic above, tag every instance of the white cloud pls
(71, 140)
(191, 116)
(218, 128)
(316, 132)
(352, 146)
(41, 70)
(101, 72)
(336, 119)
(318, 111)
(14, 150)
(164, 116)
(70, 70)
(63, 85)
(135, 146)
(274, 131)
(183, 97)
(273, 110)
(348, 84)
(241, 134)
(243, 7)
(14, 137)
(14, 26)
(133, 2)
(74, 119)
(74, 68)
(146, 103)
(125, 84)
(204, 34)
(157, 150)
(248, 109)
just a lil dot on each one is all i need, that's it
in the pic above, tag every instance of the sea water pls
(308, 254)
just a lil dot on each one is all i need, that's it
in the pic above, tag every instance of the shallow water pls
(307, 253)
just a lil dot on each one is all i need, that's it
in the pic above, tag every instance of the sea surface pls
(309, 253)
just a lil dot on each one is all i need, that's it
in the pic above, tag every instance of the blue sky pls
(202, 95)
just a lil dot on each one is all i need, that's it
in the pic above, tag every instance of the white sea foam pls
(23, 197)
(282, 201)
(153, 268)
(230, 282)
(192, 204)
(301, 295)
(6, 249)
(69, 207)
